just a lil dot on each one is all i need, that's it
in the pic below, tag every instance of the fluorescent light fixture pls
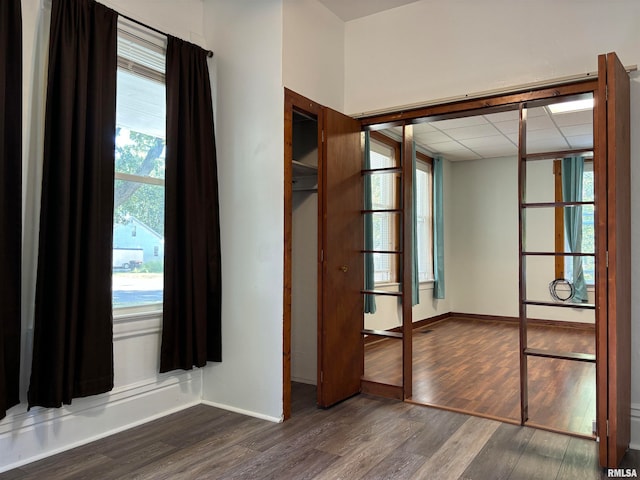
(574, 106)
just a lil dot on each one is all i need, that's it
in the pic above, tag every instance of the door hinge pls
(606, 92)
(607, 427)
(322, 136)
(321, 376)
(321, 255)
(606, 259)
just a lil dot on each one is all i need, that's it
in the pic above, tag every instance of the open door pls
(340, 346)
(614, 282)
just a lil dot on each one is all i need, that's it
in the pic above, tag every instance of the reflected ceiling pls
(496, 135)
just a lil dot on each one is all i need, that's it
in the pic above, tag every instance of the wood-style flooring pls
(364, 437)
(473, 366)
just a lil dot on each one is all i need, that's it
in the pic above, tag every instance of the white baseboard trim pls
(243, 412)
(635, 426)
(26, 437)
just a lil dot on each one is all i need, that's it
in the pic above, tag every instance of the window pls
(424, 216)
(564, 267)
(138, 223)
(385, 195)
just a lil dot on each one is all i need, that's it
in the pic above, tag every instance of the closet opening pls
(303, 156)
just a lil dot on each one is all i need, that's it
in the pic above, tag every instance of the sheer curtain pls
(572, 173)
(369, 268)
(73, 346)
(10, 200)
(438, 229)
(191, 332)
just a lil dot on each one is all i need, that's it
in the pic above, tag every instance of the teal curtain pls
(415, 280)
(369, 269)
(572, 172)
(438, 230)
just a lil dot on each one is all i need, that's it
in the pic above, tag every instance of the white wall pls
(313, 52)
(304, 288)
(140, 393)
(442, 49)
(449, 49)
(249, 114)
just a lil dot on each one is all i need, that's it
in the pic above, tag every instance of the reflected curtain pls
(572, 173)
(438, 229)
(10, 200)
(73, 334)
(369, 267)
(415, 279)
(191, 332)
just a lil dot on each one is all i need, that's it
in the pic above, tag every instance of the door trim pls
(295, 102)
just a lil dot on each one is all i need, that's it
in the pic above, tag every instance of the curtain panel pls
(572, 173)
(191, 332)
(415, 267)
(438, 229)
(369, 267)
(73, 345)
(10, 200)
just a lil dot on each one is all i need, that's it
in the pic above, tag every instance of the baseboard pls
(635, 426)
(530, 321)
(242, 411)
(29, 436)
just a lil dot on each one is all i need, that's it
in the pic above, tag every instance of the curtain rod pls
(209, 52)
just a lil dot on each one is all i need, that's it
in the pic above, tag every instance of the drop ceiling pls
(496, 135)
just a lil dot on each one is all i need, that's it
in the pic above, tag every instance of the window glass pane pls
(588, 233)
(138, 244)
(138, 222)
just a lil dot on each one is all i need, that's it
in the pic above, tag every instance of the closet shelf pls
(303, 169)
(381, 292)
(555, 204)
(582, 306)
(581, 357)
(382, 333)
(373, 171)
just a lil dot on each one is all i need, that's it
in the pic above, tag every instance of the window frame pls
(396, 194)
(425, 163)
(146, 45)
(559, 218)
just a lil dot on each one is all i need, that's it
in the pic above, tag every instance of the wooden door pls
(614, 283)
(340, 346)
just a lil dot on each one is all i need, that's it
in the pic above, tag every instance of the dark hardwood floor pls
(364, 437)
(473, 366)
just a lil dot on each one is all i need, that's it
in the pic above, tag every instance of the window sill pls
(140, 312)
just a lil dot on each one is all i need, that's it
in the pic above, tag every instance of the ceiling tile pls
(459, 122)
(573, 118)
(476, 131)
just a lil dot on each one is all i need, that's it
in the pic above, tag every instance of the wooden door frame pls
(295, 102)
(510, 101)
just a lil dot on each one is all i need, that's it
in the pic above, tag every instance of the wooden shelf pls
(373, 171)
(580, 357)
(557, 254)
(583, 306)
(382, 333)
(556, 204)
(386, 252)
(382, 292)
(383, 210)
(558, 154)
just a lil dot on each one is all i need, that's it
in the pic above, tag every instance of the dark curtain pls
(10, 200)
(192, 290)
(73, 345)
